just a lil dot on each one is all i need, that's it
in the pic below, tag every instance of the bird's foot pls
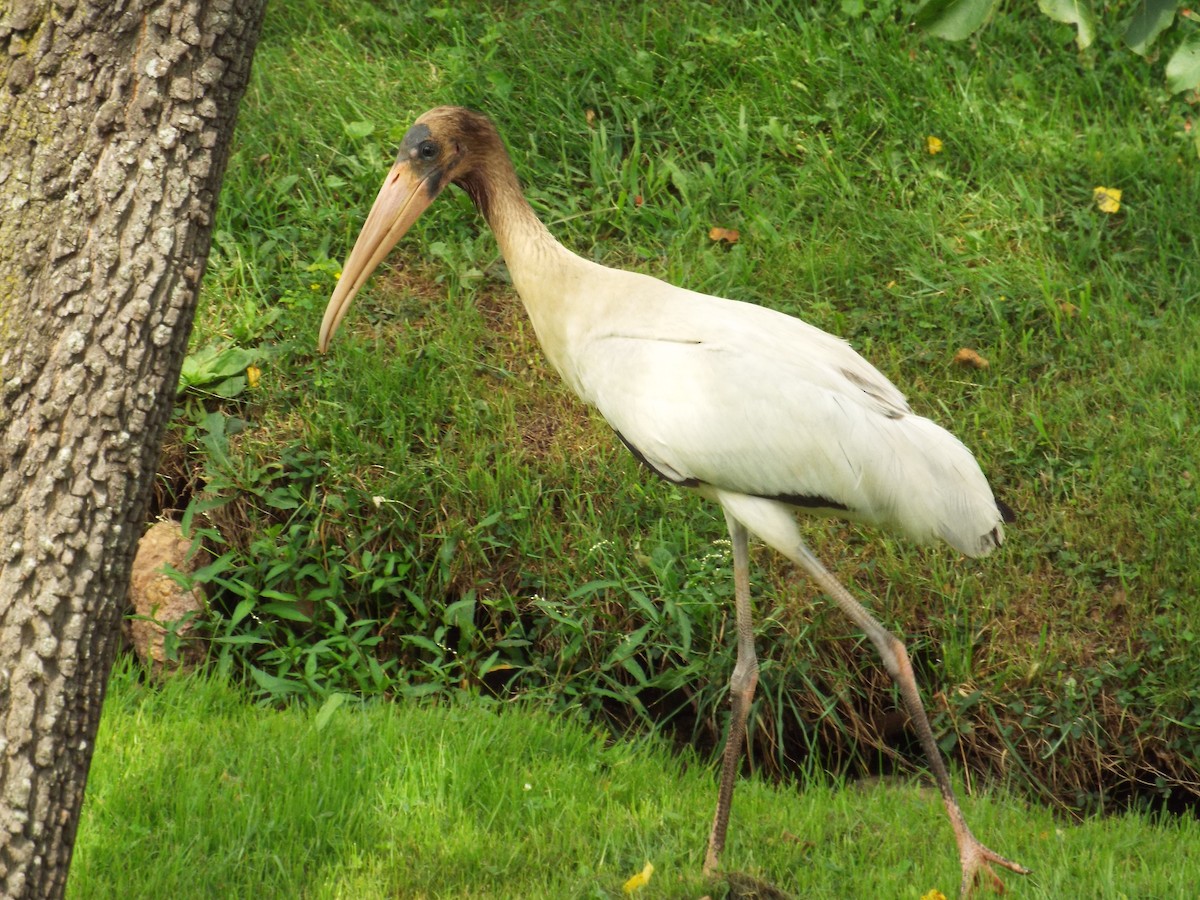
(747, 887)
(976, 861)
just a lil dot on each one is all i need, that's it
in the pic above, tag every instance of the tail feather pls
(947, 495)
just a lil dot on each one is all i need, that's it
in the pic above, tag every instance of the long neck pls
(496, 191)
(543, 270)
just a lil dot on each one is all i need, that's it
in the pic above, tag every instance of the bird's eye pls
(427, 150)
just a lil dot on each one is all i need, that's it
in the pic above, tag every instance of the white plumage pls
(751, 408)
(750, 400)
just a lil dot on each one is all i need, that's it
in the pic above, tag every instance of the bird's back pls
(708, 391)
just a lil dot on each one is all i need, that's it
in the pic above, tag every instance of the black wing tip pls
(687, 481)
(1006, 512)
(807, 501)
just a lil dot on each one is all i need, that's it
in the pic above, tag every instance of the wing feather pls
(746, 399)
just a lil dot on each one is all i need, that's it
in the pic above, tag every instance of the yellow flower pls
(935, 894)
(642, 878)
(1108, 199)
(253, 373)
(934, 145)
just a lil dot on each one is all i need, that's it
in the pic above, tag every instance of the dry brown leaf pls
(969, 358)
(590, 116)
(729, 235)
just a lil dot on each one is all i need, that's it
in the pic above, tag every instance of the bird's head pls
(446, 145)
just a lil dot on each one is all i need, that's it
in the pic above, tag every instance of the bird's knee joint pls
(901, 654)
(744, 677)
(895, 657)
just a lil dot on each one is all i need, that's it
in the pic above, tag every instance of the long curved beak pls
(400, 202)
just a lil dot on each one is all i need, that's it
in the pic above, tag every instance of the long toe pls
(977, 860)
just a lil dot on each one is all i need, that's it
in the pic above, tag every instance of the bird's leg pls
(975, 858)
(741, 691)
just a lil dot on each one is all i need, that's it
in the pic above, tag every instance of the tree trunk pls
(115, 123)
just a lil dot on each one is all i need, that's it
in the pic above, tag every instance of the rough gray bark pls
(115, 123)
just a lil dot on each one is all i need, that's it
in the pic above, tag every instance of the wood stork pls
(751, 408)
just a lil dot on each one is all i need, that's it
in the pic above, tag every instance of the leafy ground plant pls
(1140, 25)
(426, 512)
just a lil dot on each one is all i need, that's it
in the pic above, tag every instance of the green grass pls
(195, 792)
(427, 510)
